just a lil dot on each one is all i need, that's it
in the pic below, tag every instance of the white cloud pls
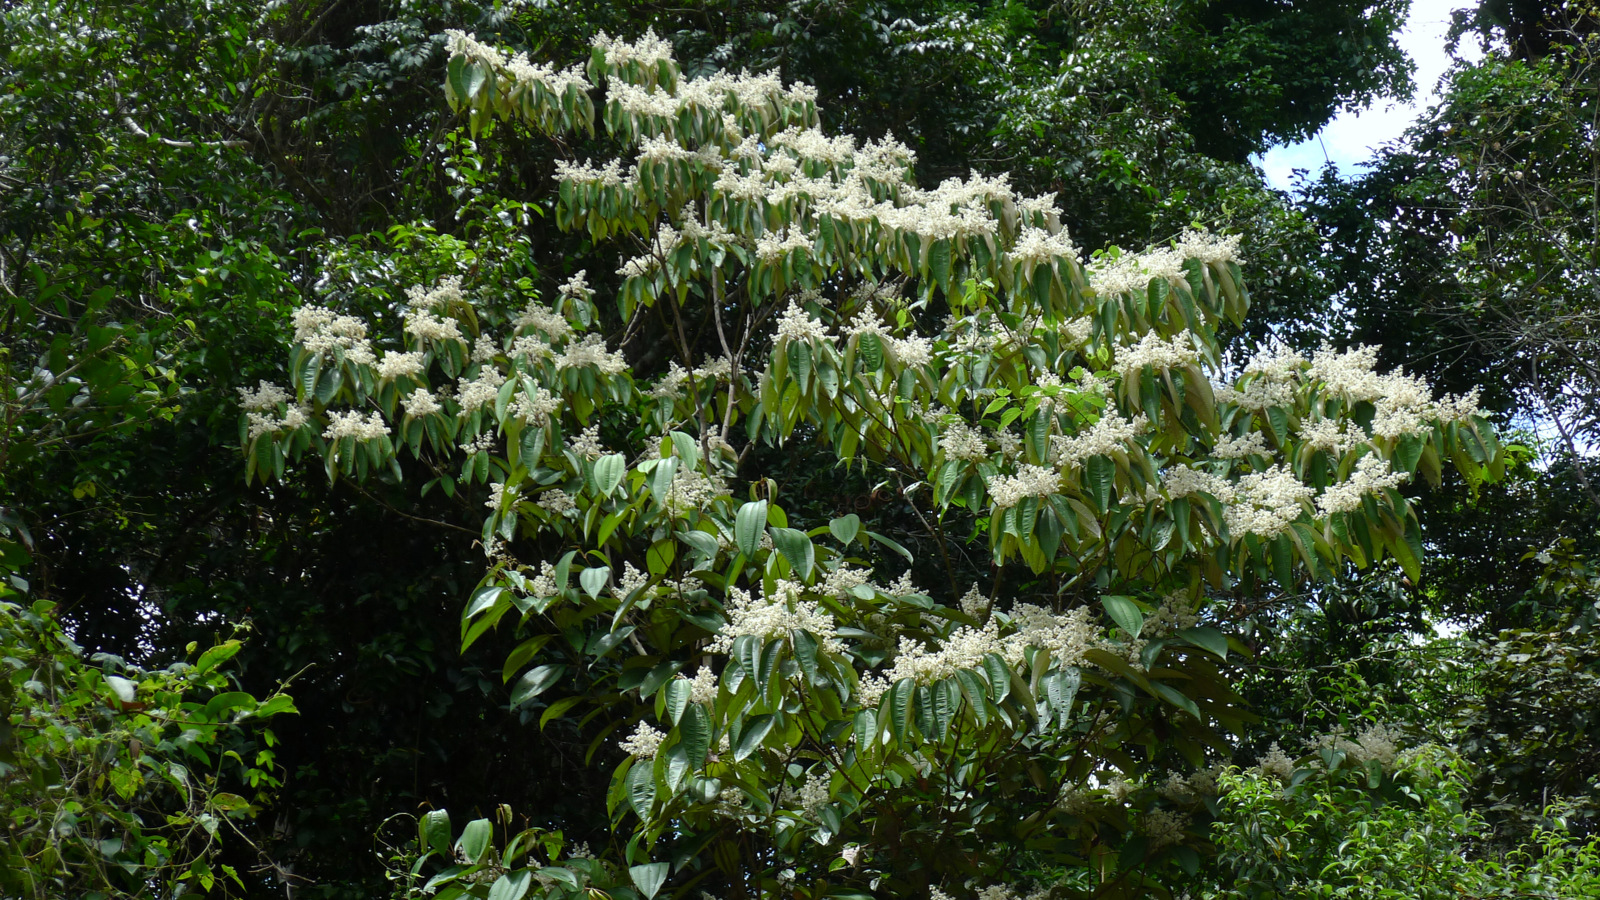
(1351, 138)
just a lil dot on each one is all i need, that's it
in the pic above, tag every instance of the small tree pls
(797, 723)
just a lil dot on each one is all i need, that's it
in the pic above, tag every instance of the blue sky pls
(1350, 138)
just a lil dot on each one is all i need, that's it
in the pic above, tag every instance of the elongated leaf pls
(796, 548)
(755, 731)
(536, 682)
(695, 731)
(1125, 613)
(748, 525)
(511, 885)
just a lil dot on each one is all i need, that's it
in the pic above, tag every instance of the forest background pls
(177, 178)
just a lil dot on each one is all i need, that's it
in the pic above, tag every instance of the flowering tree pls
(794, 722)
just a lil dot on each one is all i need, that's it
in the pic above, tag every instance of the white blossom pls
(591, 351)
(420, 403)
(354, 424)
(399, 365)
(587, 443)
(1371, 474)
(1266, 502)
(1230, 447)
(265, 396)
(556, 501)
(644, 742)
(797, 325)
(1157, 353)
(775, 616)
(962, 441)
(1030, 481)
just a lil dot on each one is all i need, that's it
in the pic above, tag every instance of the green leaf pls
(796, 548)
(474, 842)
(216, 656)
(608, 472)
(695, 732)
(124, 689)
(755, 731)
(845, 528)
(511, 885)
(1125, 613)
(536, 682)
(1208, 639)
(435, 829)
(1099, 474)
(650, 877)
(594, 579)
(748, 525)
(677, 698)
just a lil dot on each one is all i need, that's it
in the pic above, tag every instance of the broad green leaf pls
(1208, 639)
(650, 877)
(474, 841)
(1125, 613)
(796, 548)
(748, 526)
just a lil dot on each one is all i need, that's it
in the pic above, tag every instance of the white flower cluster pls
(965, 648)
(1337, 436)
(1110, 434)
(1251, 443)
(1133, 272)
(842, 581)
(425, 326)
(1371, 474)
(962, 441)
(648, 50)
(1030, 481)
(703, 686)
(609, 175)
(1157, 353)
(1068, 636)
(1163, 828)
(1375, 742)
(774, 245)
(1276, 764)
(775, 616)
(535, 408)
(265, 396)
(445, 293)
(1036, 246)
(1181, 481)
(1404, 403)
(1175, 613)
(399, 365)
(544, 584)
(586, 444)
(541, 318)
(691, 491)
(320, 331)
(260, 423)
(475, 393)
(591, 351)
(644, 742)
(353, 424)
(974, 603)
(557, 502)
(1208, 248)
(1264, 503)
(797, 325)
(631, 580)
